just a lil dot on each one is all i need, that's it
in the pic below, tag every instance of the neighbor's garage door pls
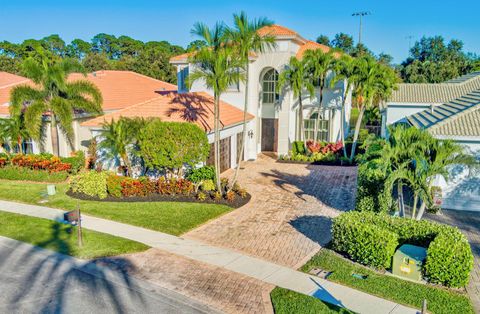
(224, 155)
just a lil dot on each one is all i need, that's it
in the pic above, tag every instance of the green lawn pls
(169, 217)
(62, 238)
(289, 302)
(439, 300)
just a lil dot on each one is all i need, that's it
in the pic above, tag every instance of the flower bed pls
(105, 186)
(42, 167)
(312, 152)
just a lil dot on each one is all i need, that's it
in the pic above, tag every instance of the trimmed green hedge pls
(364, 243)
(26, 174)
(449, 257)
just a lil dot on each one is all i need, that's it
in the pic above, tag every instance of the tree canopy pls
(102, 52)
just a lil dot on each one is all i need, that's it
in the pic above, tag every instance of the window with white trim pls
(313, 124)
(269, 87)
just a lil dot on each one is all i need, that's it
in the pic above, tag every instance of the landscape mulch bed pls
(238, 202)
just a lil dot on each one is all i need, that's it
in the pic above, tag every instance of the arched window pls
(313, 124)
(269, 87)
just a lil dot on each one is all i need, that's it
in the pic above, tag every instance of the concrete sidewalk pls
(268, 272)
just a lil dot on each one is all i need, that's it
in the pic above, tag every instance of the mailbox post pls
(74, 217)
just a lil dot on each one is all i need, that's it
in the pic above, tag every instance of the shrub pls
(298, 148)
(171, 145)
(45, 162)
(242, 193)
(3, 161)
(77, 161)
(138, 187)
(9, 172)
(175, 186)
(230, 196)
(197, 175)
(371, 185)
(364, 243)
(91, 183)
(208, 185)
(114, 185)
(217, 195)
(201, 196)
(449, 257)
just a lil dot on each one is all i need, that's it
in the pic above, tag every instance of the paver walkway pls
(265, 271)
(469, 224)
(289, 216)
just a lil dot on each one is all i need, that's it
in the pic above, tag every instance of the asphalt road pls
(33, 280)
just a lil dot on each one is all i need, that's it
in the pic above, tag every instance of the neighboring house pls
(449, 110)
(195, 108)
(273, 126)
(120, 89)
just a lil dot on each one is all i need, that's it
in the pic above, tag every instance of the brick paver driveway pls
(469, 224)
(289, 216)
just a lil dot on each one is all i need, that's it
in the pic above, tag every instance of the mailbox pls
(71, 216)
(408, 261)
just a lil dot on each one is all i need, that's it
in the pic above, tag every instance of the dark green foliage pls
(171, 145)
(367, 244)
(197, 175)
(432, 60)
(103, 52)
(449, 257)
(298, 148)
(26, 174)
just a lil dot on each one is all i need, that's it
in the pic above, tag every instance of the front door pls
(269, 135)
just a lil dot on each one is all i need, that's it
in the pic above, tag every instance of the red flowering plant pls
(41, 162)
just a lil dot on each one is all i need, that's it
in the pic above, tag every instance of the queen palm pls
(218, 65)
(247, 39)
(54, 98)
(344, 69)
(374, 82)
(319, 65)
(296, 78)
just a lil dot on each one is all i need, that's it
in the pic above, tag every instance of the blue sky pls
(386, 30)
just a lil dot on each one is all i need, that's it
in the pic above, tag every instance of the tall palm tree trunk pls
(216, 142)
(415, 202)
(244, 132)
(54, 135)
(401, 203)
(300, 118)
(20, 146)
(342, 118)
(320, 107)
(357, 131)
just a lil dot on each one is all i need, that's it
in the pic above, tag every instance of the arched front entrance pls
(269, 123)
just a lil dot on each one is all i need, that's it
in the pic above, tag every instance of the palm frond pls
(34, 118)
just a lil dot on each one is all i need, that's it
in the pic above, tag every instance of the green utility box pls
(408, 261)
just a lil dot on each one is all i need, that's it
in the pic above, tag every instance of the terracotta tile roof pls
(9, 79)
(276, 30)
(311, 45)
(182, 57)
(7, 82)
(194, 107)
(121, 89)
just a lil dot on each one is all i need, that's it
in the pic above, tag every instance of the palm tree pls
(319, 65)
(344, 69)
(295, 77)
(218, 65)
(245, 36)
(54, 98)
(13, 132)
(375, 82)
(117, 140)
